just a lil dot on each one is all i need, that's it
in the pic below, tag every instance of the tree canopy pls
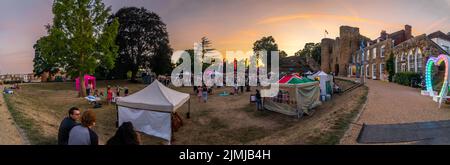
(266, 44)
(40, 63)
(390, 67)
(81, 38)
(143, 42)
(311, 50)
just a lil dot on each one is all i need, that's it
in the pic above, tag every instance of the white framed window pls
(374, 71)
(382, 51)
(411, 61)
(367, 55)
(419, 61)
(396, 64)
(374, 53)
(367, 70)
(361, 71)
(357, 58)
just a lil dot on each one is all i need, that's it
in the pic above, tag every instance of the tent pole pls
(171, 130)
(188, 115)
(117, 114)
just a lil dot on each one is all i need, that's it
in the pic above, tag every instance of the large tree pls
(80, 38)
(141, 36)
(161, 62)
(310, 50)
(309, 56)
(206, 46)
(283, 54)
(266, 44)
(40, 63)
(205, 49)
(390, 66)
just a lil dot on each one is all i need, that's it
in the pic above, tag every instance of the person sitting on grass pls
(96, 93)
(83, 134)
(126, 91)
(125, 135)
(102, 94)
(67, 124)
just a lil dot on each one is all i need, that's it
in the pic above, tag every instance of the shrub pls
(390, 67)
(59, 79)
(407, 78)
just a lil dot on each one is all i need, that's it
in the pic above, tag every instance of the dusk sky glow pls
(233, 24)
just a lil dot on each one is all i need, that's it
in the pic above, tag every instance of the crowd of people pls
(110, 95)
(76, 128)
(71, 132)
(203, 92)
(9, 90)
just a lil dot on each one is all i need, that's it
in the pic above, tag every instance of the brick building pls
(343, 56)
(337, 53)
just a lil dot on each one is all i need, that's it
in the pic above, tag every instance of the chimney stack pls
(408, 32)
(383, 35)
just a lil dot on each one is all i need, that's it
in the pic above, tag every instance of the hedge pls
(406, 78)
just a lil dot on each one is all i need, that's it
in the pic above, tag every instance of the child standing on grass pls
(258, 100)
(109, 95)
(199, 94)
(126, 91)
(205, 93)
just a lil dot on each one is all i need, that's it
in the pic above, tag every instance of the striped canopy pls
(294, 79)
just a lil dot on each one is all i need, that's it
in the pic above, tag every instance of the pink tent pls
(88, 79)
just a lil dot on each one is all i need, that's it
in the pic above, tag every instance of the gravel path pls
(390, 103)
(9, 135)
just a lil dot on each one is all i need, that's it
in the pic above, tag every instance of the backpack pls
(97, 105)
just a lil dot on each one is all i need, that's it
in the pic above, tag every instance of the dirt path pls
(390, 103)
(9, 135)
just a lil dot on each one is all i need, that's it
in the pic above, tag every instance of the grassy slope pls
(38, 109)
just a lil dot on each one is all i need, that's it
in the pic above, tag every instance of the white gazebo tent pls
(150, 110)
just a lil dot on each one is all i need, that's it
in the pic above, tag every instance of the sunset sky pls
(233, 24)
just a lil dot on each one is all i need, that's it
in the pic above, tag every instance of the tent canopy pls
(155, 97)
(300, 81)
(317, 74)
(287, 78)
(294, 79)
